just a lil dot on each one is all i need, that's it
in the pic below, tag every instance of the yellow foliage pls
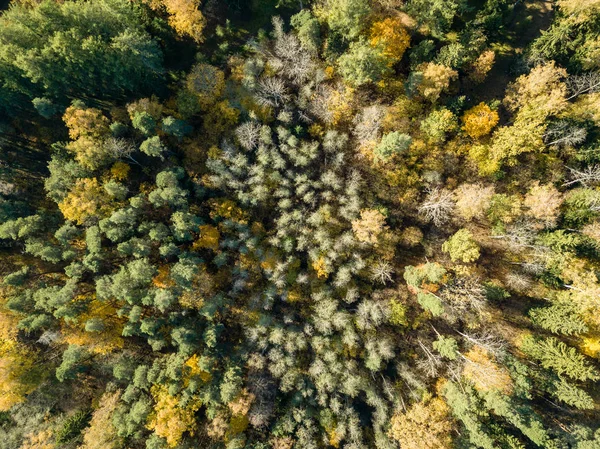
(436, 79)
(162, 279)
(104, 342)
(83, 201)
(202, 286)
(169, 419)
(426, 425)
(193, 369)
(391, 37)
(42, 439)
(185, 17)
(485, 373)
(241, 405)
(20, 374)
(320, 266)
(101, 433)
(206, 82)
(369, 226)
(209, 238)
(218, 119)
(227, 209)
(340, 105)
(539, 94)
(88, 122)
(482, 65)
(585, 107)
(479, 120)
(238, 424)
(119, 171)
(591, 346)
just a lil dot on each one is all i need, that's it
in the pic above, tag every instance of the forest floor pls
(529, 19)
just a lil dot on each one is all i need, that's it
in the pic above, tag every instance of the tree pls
(171, 421)
(368, 228)
(482, 66)
(185, 17)
(83, 201)
(308, 29)
(437, 207)
(101, 433)
(72, 363)
(206, 82)
(473, 200)
(70, 49)
(425, 424)
(346, 17)
(485, 373)
(438, 123)
(435, 79)
(562, 359)
(153, 147)
(437, 15)
(479, 120)
(461, 246)
(539, 94)
(391, 38)
(391, 144)
(363, 64)
(543, 203)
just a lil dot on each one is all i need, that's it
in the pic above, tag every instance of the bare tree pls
(564, 134)
(382, 272)
(583, 84)
(271, 92)
(437, 207)
(464, 293)
(588, 175)
(431, 363)
(120, 148)
(368, 123)
(248, 135)
(490, 342)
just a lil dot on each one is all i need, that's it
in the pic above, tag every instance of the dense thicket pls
(355, 224)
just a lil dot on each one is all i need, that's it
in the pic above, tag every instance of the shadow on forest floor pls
(529, 19)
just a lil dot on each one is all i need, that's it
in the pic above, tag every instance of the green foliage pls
(363, 64)
(73, 48)
(560, 358)
(462, 247)
(431, 303)
(447, 347)
(392, 143)
(72, 427)
(346, 17)
(72, 363)
(560, 318)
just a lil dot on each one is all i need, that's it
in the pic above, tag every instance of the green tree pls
(363, 64)
(462, 247)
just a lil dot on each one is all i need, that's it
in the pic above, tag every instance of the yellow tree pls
(390, 36)
(539, 94)
(185, 17)
(83, 201)
(369, 226)
(169, 420)
(425, 425)
(482, 65)
(486, 374)
(479, 120)
(101, 433)
(436, 79)
(82, 121)
(206, 82)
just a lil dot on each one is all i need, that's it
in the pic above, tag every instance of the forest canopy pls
(284, 224)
